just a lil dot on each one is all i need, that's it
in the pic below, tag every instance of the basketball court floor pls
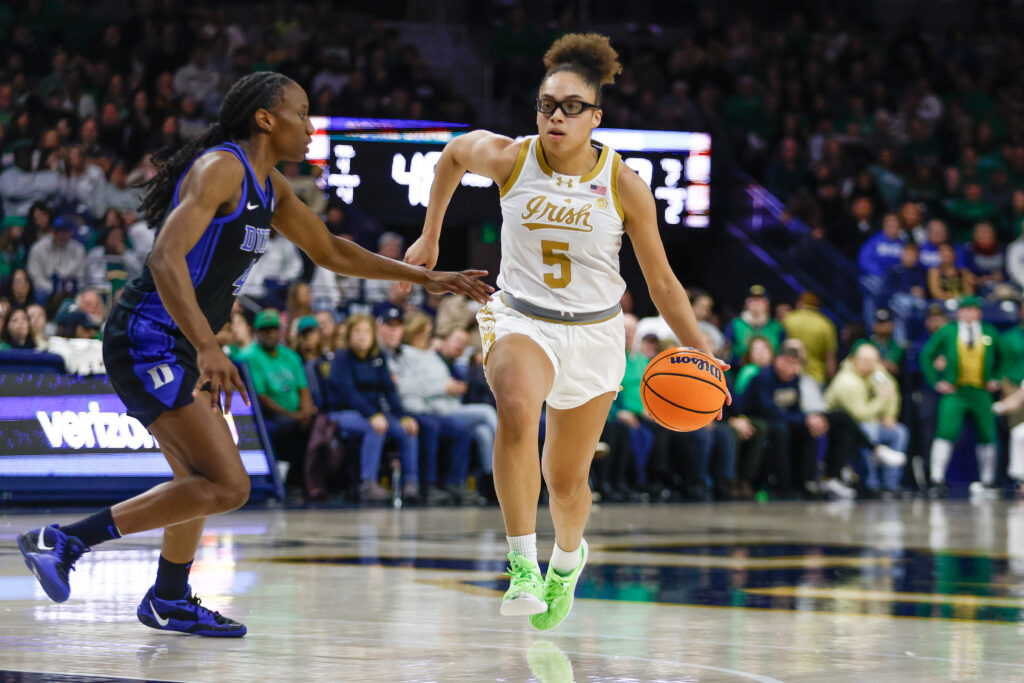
(879, 591)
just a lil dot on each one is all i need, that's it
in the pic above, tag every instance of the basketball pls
(683, 389)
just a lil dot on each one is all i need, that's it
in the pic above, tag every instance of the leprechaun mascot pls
(960, 361)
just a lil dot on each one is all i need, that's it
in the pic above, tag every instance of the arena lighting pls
(392, 181)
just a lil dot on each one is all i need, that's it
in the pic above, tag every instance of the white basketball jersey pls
(560, 234)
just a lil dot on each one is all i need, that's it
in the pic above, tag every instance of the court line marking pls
(888, 596)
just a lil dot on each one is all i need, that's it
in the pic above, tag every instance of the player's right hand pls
(217, 369)
(422, 252)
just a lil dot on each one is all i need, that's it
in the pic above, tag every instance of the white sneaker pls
(979, 491)
(837, 489)
(890, 457)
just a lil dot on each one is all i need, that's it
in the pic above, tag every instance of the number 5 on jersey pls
(552, 257)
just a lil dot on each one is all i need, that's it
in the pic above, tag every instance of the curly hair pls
(588, 55)
(262, 90)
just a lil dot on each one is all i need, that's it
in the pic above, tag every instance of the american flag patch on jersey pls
(598, 189)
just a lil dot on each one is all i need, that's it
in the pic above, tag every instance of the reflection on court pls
(672, 593)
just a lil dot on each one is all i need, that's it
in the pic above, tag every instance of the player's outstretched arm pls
(293, 219)
(481, 152)
(667, 293)
(213, 182)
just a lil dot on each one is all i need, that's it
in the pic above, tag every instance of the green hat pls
(266, 319)
(306, 323)
(970, 301)
(10, 221)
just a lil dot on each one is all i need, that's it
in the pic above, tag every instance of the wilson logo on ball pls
(702, 364)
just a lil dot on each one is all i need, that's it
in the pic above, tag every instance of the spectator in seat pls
(15, 330)
(881, 252)
(818, 334)
(936, 234)
(56, 263)
(115, 193)
(362, 399)
(865, 391)
(18, 289)
(970, 352)
(111, 263)
(445, 397)
(883, 337)
(754, 321)
(21, 186)
(947, 281)
(13, 252)
(759, 355)
(90, 302)
(414, 371)
(969, 210)
(83, 179)
(906, 287)
(309, 341)
(283, 392)
(986, 259)
(853, 229)
(774, 396)
(241, 336)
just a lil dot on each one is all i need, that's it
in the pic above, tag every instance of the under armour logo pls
(161, 375)
(568, 182)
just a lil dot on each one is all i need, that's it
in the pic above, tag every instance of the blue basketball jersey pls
(222, 258)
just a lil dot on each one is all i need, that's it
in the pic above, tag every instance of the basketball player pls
(555, 331)
(216, 199)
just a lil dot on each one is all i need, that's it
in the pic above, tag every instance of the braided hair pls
(262, 90)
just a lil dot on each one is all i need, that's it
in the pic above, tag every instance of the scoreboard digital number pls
(386, 167)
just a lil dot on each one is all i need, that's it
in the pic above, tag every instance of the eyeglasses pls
(568, 107)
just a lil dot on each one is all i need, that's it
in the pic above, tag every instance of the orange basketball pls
(683, 389)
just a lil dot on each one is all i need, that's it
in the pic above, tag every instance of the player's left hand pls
(467, 282)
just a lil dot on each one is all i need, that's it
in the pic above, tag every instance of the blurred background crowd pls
(897, 138)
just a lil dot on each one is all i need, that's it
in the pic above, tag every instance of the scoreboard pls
(385, 167)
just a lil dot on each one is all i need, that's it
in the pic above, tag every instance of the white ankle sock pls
(524, 545)
(942, 451)
(987, 461)
(564, 561)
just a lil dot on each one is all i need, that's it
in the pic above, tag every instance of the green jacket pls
(944, 343)
(1011, 346)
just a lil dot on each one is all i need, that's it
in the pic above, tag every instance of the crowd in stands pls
(905, 150)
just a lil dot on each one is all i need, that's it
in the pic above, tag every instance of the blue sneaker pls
(186, 615)
(51, 554)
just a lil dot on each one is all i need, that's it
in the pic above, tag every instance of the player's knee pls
(518, 414)
(565, 484)
(233, 494)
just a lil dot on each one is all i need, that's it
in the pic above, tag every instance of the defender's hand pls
(217, 369)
